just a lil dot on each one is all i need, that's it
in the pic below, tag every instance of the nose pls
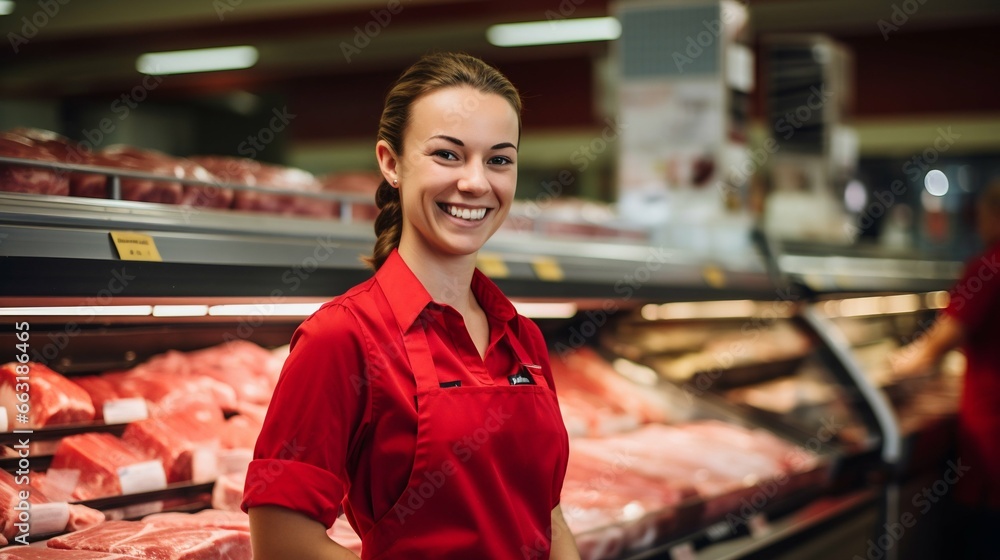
(473, 180)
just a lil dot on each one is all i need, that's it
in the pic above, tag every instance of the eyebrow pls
(458, 142)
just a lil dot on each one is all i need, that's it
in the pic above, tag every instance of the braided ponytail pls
(432, 72)
(388, 224)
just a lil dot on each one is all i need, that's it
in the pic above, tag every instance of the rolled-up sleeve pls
(320, 404)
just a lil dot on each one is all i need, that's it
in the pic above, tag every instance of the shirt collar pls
(408, 298)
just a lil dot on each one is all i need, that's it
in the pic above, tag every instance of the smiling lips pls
(470, 214)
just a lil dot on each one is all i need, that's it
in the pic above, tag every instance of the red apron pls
(484, 470)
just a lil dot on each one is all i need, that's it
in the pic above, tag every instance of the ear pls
(388, 162)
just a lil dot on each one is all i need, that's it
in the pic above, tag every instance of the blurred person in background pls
(420, 400)
(972, 321)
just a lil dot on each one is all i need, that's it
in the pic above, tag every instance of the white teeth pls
(467, 213)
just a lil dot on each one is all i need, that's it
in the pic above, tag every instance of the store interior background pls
(935, 72)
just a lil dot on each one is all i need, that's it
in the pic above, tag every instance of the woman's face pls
(458, 170)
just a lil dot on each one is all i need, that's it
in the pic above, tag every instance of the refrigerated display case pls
(226, 276)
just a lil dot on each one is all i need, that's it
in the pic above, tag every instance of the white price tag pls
(3, 419)
(142, 477)
(758, 525)
(204, 464)
(234, 460)
(122, 411)
(683, 551)
(49, 518)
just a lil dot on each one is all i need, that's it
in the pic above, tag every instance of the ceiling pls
(90, 46)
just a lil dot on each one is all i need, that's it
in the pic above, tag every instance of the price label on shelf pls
(142, 477)
(547, 269)
(204, 464)
(683, 551)
(133, 246)
(714, 276)
(49, 518)
(122, 411)
(3, 419)
(492, 265)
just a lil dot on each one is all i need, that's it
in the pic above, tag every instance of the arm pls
(563, 544)
(277, 533)
(927, 351)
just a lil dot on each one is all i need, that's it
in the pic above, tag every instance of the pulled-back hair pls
(430, 73)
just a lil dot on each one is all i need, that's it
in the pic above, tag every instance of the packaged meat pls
(166, 385)
(239, 432)
(53, 399)
(107, 466)
(101, 388)
(25, 179)
(218, 519)
(185, 441)
(284, 181)
(147, 540)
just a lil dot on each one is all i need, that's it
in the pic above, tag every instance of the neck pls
(447, 278)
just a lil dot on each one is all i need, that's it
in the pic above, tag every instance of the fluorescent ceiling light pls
(180, 310)
(198, 60)
(545, 310)
(554, 32)
(6, 7)
(81, 310)
(265, 310)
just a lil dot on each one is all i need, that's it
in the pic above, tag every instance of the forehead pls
(457, 109)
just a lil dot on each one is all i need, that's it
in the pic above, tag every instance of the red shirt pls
(975, 304)
(343, 420)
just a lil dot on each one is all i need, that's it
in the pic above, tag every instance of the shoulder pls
(337, 321)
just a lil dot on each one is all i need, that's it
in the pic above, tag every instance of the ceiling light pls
(545, 310)
(80, 310)
(198, 60)
(554, 32)
(180, 310)
(6, 7)
(265, 310)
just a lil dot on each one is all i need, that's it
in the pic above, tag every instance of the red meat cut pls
(146, 540)
(54, 399)
(235, 520)
(25, 179)
(98, 458)
(177, 438)
(38, 553)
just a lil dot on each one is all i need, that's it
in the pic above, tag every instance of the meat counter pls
(659, 467)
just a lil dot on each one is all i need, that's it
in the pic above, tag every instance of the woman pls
(419, 398)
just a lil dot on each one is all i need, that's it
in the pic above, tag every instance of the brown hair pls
(432, 72)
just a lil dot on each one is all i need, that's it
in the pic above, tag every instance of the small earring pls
(395, 181)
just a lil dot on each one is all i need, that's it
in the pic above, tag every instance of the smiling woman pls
(420, 400)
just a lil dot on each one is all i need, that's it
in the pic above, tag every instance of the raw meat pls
(132, 159)
(596, 400)
(228, 491)
(38, 553)
(166, 383)
(146, 540)
(180, 440)
(98, 458)
(218, 519)
(242, 365)
(239, 432)
(357, 183)
(101, 388)
(284, 181)
(24, 179)
(54, 399)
